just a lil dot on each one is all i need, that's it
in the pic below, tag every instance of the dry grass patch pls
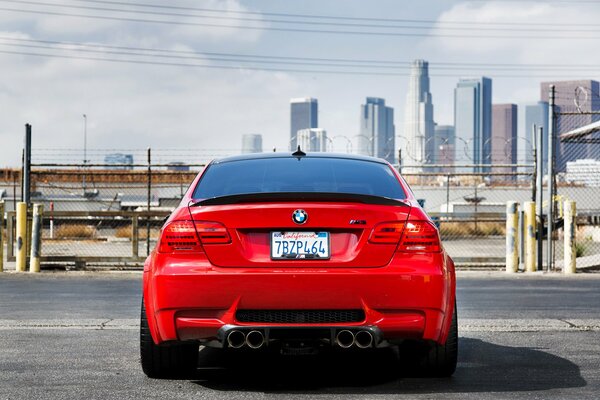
(125, 232)
(462, 229)
(74, 232)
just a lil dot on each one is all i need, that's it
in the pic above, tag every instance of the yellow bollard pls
(1, 235)
(512, 241)
(21, 237)
(36, 238)
(530, 239)
(570, 214)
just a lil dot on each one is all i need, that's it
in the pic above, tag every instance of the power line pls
(553, 29)
(252, 68)
(340, 17)
(297, 30)
(278, 62)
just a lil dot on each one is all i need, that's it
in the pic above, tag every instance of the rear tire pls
(440, 360)
(165, 360)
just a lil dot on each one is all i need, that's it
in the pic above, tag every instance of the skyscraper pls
(251, 143)
(473, 121)
(579, 96)
(535, 114)
(418, 117)
(504, 137)
(377, 132)
(441, 147)
(303, 115)
(312, 139)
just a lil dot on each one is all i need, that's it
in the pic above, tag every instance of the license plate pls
(299, 245)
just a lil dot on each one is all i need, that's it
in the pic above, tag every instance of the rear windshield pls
(281, 175)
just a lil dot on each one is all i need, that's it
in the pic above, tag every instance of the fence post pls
(149, 199)
(21, 236)
(134, 236)
(2, 236)
(27, 166)
(36, 238)
(530, 239)
(570, 230)
(512, 245)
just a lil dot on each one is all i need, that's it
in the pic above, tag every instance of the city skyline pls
(153, 100)
(377, 130)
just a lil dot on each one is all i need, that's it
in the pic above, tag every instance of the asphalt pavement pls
(75, 335)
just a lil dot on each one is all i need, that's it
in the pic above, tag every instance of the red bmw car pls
(297, 252)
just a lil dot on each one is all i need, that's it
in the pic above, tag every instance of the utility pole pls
(539, 211)
(551, 133)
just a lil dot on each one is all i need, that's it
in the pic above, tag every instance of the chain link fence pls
(577, 165)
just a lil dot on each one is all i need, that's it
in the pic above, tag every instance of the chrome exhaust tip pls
(345, 339)
(255, 339)
(363, 339)
(236, 339)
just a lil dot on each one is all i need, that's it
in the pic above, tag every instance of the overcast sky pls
(138, 105)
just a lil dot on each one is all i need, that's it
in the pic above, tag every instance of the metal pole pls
(36, 238)
(84, 149)
(21, 236)
(550, 218)
(399, 161)
(1, 236)
(530, 236)
(570, 264)
(512, 245)
(27, 166)
(539, 201)
(148, 202)
(447, 193)
(522, 239)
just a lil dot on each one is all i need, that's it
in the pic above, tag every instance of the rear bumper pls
(191, 300)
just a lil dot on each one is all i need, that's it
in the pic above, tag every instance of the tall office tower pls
(251, 143)
(303, 115)
(312, 139)
(535, 114)
(473, 122)
(418, 118)
(579, 96)
(504, 137)
(377, 132)
(442, 147)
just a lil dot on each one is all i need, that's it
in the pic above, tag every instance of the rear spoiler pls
(300, 196)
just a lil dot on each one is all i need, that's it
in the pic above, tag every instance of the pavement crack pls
(103, 324)
(571, 325)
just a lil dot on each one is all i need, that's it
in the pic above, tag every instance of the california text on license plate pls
(304, 245)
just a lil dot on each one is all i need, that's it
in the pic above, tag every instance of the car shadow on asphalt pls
(482, 367)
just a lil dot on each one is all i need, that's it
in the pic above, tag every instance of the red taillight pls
(387, 233)
(179, 236)
(420, 237)
(189, 236)
(212, 232)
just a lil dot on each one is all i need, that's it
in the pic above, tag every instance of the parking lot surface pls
(75, 335)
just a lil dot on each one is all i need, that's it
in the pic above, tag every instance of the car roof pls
(261, 156)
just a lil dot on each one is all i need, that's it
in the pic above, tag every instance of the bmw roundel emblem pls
(299, 216)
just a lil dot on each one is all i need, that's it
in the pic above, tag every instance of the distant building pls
(178, 166)
(442, 147)
(312, 139)
(377, 132)
(251, 143)
(418, 118)
(125, 161)
(583, 172)
(535, 114)
(473, 121)
(304, 114)
(504, 137)
(578, 96)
